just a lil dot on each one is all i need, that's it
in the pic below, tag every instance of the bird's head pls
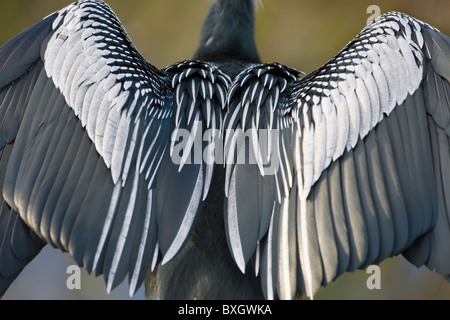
(228, 32)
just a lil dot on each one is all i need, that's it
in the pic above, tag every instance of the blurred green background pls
(302, 34)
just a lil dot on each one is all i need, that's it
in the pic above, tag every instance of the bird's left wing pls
(86, 151)
(361, 152)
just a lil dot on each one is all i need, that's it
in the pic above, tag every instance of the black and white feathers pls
(110, 159)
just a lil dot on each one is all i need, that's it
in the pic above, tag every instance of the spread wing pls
(85, 146)
(361, 149)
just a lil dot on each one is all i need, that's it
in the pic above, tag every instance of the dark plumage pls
(222, 177)
(228, 33)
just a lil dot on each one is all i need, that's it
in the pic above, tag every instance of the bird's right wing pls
(86, 151)
(362, 147)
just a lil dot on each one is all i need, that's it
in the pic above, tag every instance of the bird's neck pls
(228, 33)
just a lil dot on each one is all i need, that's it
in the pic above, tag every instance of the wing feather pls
(324, 175)
(368, 137)
(88, 122)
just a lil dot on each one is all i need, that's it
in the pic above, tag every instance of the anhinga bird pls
(223, 177)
